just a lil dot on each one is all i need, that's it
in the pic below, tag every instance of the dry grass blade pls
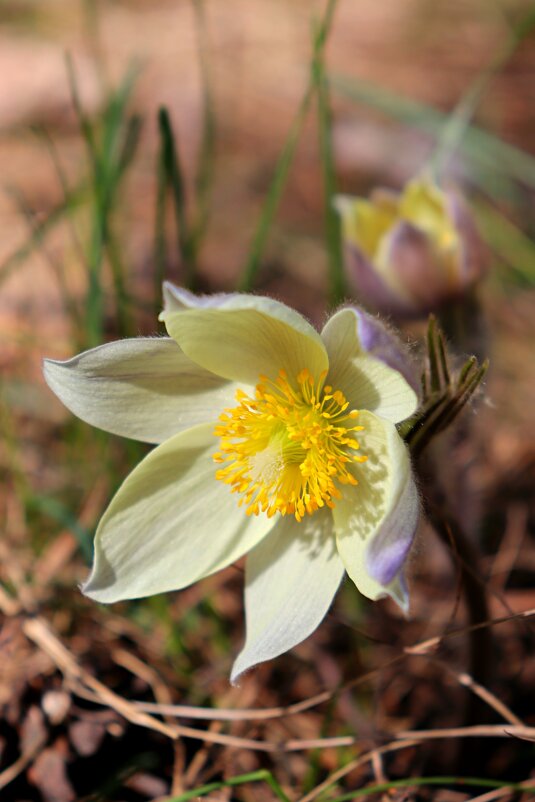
(367, 757)
(252, 714)
(517, 519)
(498, 793)
(35, 744)
(38, 631)
(486, 696)
(433, 643)
(476, 731)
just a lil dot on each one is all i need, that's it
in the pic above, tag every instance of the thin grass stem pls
(331, 217)
(282, 169)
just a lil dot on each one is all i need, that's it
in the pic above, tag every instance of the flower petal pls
(170, 523)
(290, 580)
(368, 365)
(371, 288)
(417, 269)
(143, 388)
(424, 204)
(245, 336)
(176, 299)
(376, 520)
(365, 222)
(377, 341)
(474, 261)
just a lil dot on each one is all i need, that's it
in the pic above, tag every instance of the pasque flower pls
(274, 440)
(409, 253)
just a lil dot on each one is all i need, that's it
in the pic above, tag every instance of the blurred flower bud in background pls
(410, 253)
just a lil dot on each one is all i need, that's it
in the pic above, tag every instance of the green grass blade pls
(87, 130)
(114, 120)
(331, 217)
(120, 138)
(58, 512)
(160, 238)
(13, 472)
(130, 143)
(485, 150)
(94, 301)
(274, 194)
(255, 776)
(94, 298)
(204, 177)
(117, 142)
(282, 168)
(69, 302)
(40, 230)
(175, 181)
(459, 119)
(461, 782)
(509, 243)
(51, 147)
(127, 145)
(110, 148)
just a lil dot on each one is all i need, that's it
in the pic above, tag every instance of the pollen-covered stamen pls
(289, 448)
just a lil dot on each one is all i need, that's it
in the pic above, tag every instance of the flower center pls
(287, 449)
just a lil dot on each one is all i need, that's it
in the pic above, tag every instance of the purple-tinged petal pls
(376, 339)
(371, 289)
(376, 519)
(474, 260)
(390, 547)
(424, 272)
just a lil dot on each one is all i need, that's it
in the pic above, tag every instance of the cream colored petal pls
(290, 580)
(367, 382)
(170, 523)
(376, 520)
(176, 299)
(244, 336)
(143, 388)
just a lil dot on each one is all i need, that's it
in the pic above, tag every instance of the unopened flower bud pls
(409, 253)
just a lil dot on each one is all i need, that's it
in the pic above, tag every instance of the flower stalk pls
(445, 393)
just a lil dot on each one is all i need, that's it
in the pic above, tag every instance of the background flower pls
(409, 253)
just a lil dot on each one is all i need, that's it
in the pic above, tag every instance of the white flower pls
(274, 440)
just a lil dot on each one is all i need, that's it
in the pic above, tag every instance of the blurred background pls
(184, 140)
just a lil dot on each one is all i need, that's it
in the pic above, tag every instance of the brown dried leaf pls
(49, 774)
(33, 732)
(86, 736)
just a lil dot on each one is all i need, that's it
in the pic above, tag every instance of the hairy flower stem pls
(480, 642)
(464, 326)
(453, 536)
(465, 555)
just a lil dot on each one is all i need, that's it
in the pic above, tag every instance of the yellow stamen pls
(287, 448)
